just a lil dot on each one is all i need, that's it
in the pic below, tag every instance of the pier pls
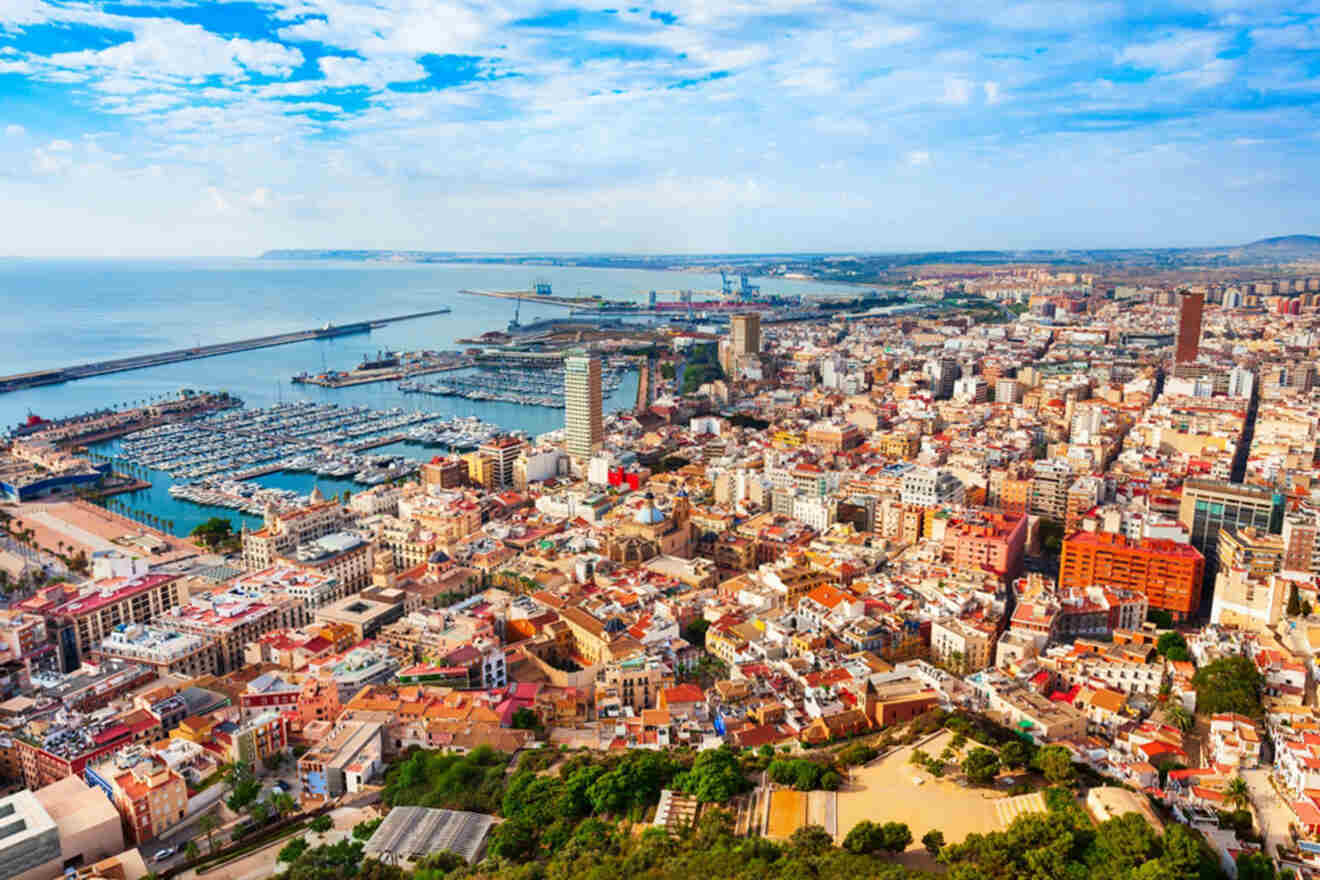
(568, 302)
(442, 364)
(19, 381)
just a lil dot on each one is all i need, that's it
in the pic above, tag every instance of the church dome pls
(649, 514)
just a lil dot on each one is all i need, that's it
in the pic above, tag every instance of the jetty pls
(20, 381)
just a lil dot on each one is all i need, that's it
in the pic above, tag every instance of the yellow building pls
(481, 470)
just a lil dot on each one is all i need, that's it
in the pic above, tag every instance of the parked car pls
(163, 854)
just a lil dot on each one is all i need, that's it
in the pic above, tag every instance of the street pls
(1272, 813)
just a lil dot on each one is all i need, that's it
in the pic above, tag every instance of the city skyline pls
(227, 129)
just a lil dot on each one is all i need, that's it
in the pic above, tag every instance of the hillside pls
(1281, 247)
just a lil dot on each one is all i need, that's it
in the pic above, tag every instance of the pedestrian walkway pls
(69, 530)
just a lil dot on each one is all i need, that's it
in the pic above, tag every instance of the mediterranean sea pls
(65, 312)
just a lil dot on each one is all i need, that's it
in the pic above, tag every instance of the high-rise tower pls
(745, 334)
(1190, 306)
(584, 428)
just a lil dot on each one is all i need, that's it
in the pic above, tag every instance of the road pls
(1272, 813)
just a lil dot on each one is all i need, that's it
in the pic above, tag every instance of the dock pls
(567, 302)
(389, 374)
(20, 381)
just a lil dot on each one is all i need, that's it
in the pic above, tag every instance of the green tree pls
(1161, 618)
(1237, 793)
(514, 840)
(283, 804)
(933, 841)
(526, 719)
(1014, 754)
(981, 766)
(209, 824)
(364, 829)
(1125, 843)
(292, 850)
(895, 836)
(1179, 717)
(865, 838)
(715, 776)
(191, 850)
(1056, 764)
(243, 787)
(857, 753)
(695, 632)
(811, 840)
(214, 532)
(806, 775)
(1255, 866)
(321, 823)
(1229, 684)
(1173, 646)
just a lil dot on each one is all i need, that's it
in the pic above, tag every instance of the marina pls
(214, 458)
(529, 385)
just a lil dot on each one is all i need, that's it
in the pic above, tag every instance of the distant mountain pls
(860, 266)
(1280, 248)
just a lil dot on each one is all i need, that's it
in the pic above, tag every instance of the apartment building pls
(344, 557)
(81, 624)
(150, 796)
(987, 541)
(1207, 506)
(284, 532)
(345, 760)
(234, 617)
(1169, 573)
(164, 650)
(312, 586)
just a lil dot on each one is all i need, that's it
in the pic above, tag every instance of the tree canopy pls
(214, 532)
(1173, 646)
(1229, 684)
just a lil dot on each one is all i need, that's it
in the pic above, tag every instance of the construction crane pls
(726, 284)
(748, 290)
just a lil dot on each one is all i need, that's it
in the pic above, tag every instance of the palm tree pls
(283, 804)
(190, 850)
(1237, 793)
(1179, 717)
(209, 823)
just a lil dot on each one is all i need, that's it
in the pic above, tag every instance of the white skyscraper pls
(584, 428)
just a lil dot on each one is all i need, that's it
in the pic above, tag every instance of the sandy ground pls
(791, 810)
(788, 813)
(85, 526)
(884, 791)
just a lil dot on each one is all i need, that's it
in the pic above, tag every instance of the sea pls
(65, 312)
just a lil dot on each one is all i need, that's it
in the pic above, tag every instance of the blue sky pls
(207, 128)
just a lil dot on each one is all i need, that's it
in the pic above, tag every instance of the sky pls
(209, 128)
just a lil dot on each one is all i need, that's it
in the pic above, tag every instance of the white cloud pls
(885, 37)
(14, 130)
(342, 71)
(1177, 50)
(168, 49)
(821, 106)
(957, 90)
